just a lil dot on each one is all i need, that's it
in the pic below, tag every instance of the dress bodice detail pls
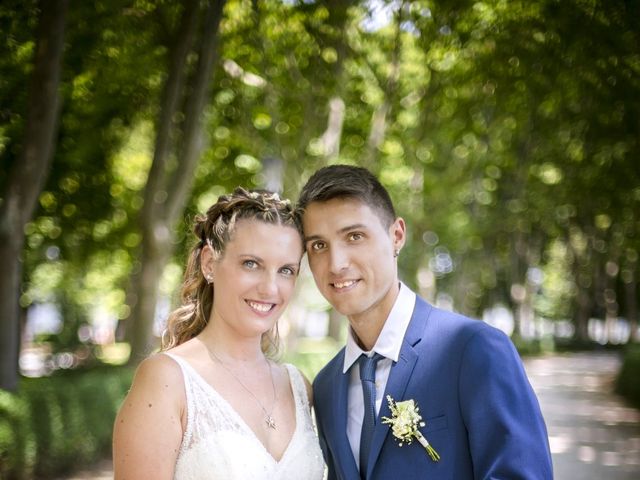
(217, 442)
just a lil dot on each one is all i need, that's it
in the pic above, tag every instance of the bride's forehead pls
(267, 238)
(252, 229)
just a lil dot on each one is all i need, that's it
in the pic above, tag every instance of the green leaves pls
(509, 130)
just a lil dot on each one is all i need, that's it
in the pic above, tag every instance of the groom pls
(481, 415)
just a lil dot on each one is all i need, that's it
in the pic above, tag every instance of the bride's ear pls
(207, 262)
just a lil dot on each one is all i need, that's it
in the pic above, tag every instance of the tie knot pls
(368, 367)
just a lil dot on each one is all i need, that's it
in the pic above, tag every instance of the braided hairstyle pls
(215, 229)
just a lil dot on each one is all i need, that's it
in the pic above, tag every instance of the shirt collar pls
(390, 339)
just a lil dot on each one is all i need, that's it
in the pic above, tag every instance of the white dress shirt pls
(388, 345)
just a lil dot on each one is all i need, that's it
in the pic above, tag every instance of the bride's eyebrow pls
(250, 256)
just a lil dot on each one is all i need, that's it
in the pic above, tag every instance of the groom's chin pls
(343, 308)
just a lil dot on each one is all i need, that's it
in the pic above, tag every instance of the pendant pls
(271, 423)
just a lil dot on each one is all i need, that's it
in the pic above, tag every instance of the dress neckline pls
(234, 413)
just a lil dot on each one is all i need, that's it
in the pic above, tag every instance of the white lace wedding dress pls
(218, 444)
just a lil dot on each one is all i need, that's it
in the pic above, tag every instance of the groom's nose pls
(339, 259)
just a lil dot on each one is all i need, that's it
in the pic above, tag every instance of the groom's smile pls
(344, 286)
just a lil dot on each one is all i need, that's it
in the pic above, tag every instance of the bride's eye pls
(288, 271)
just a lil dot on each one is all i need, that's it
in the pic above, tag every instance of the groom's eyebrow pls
(348, 228)
(311, 237)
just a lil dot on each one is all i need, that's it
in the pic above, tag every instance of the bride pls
(213, 404)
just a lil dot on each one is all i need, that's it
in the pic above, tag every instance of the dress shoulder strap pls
(298, 385)
(187, 375)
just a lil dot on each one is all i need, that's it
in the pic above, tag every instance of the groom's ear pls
(398, 233)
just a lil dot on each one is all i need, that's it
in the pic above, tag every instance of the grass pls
(628, 383)
(55, 424)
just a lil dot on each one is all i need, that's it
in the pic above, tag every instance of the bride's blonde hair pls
(216, 229)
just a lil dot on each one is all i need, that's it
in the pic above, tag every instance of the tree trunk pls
(273, 173)
(581, 319)
(631, 289)
(171, 174)
(27, 177)
(379, 121)
(155, 194)
(9, 327)
(611, 303)
(197, 98)
(333, 134)
(377, 133)
(518, 290)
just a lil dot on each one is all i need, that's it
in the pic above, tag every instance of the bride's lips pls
(261, 308)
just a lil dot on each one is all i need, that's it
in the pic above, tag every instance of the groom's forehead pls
(337, 215)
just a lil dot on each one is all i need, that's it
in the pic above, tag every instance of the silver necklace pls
(271, 423)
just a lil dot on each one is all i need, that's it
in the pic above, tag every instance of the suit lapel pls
(342, 452)
(399, 377)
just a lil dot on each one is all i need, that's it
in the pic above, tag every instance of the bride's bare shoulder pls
(159, 373)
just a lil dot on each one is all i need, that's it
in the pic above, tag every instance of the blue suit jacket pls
(480, 411)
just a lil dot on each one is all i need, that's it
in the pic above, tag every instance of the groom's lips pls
(344, 285)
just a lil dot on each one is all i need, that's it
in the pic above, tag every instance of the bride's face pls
(254, 279)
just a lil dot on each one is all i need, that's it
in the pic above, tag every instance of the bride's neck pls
(230, 348)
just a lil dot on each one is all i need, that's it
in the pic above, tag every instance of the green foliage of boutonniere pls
(405, 421)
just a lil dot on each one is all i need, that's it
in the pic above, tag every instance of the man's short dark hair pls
(347, 181)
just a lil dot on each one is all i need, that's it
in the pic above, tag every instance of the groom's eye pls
(316, 246)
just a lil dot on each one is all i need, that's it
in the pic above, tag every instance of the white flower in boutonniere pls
(405, 421)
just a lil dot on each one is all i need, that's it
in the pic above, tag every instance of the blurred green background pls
(508, 134)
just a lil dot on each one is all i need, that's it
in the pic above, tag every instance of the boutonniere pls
(405, 421)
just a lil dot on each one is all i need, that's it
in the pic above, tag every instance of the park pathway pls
(593, 434)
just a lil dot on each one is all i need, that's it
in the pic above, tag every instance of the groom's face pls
(351, 256)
